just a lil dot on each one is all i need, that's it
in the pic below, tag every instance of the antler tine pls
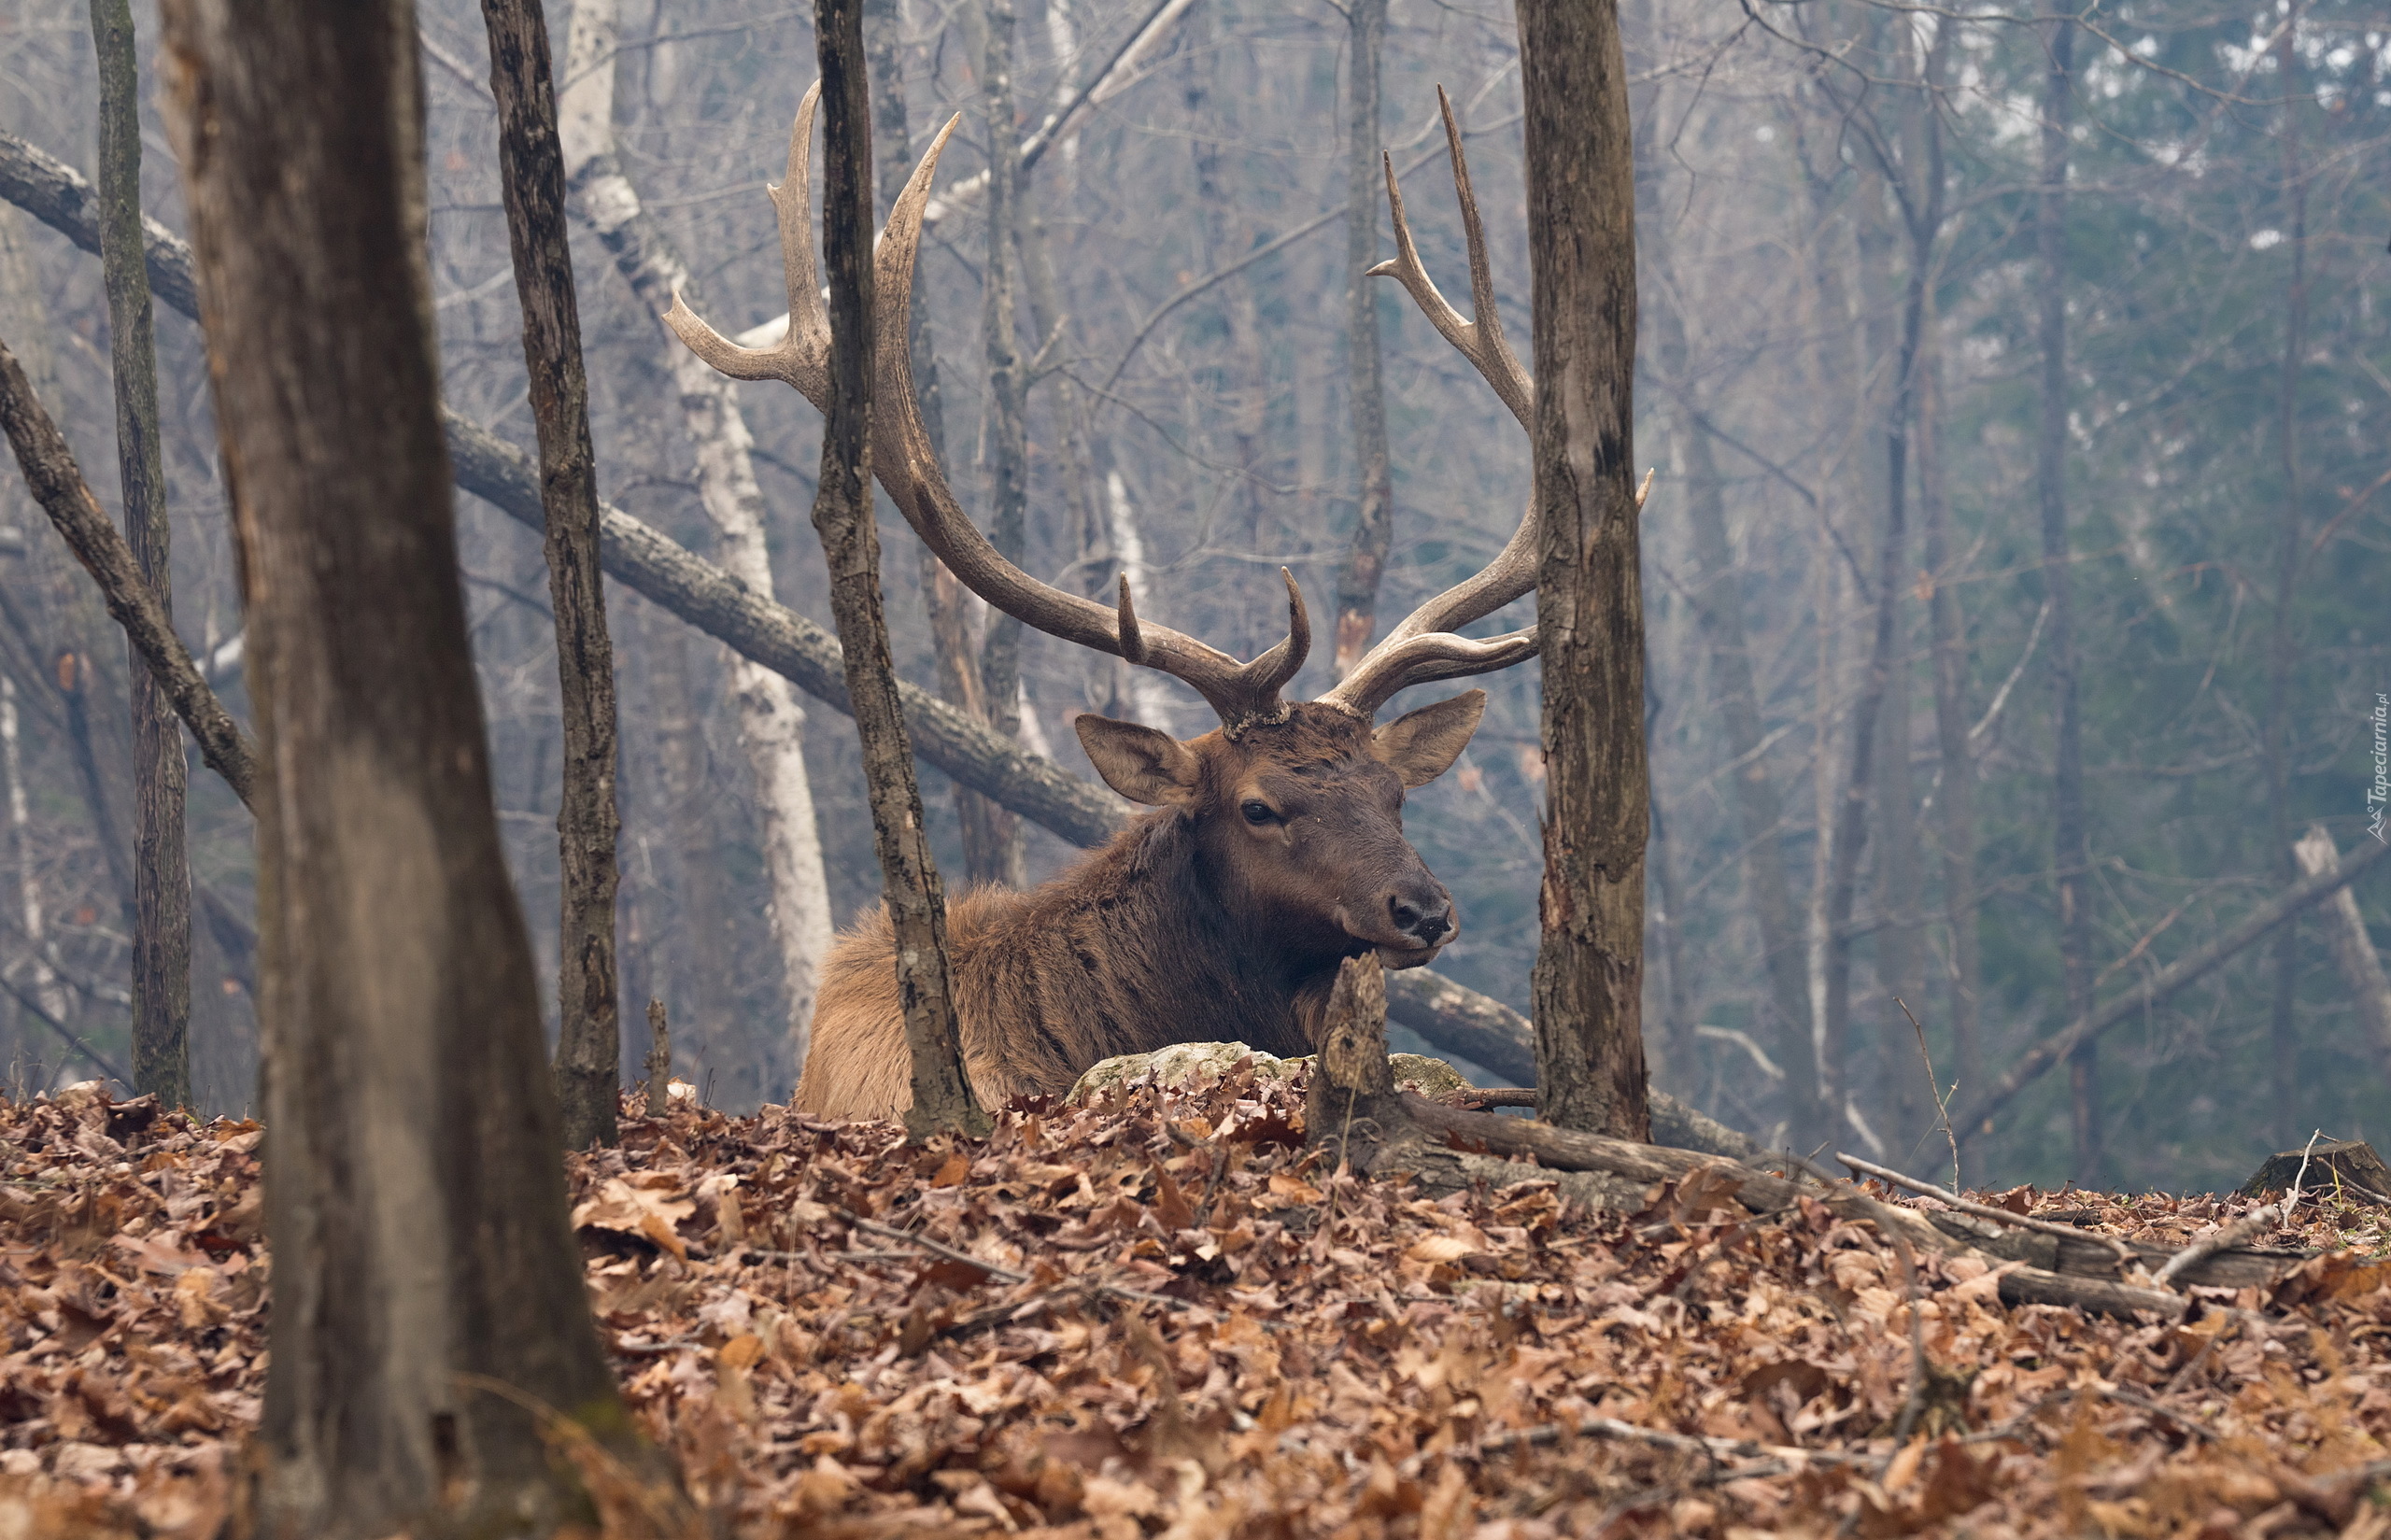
(802, 357)
(1480, 340)
(907, 465)
(1424, 648)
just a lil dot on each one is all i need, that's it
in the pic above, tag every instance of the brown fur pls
(1191, 925)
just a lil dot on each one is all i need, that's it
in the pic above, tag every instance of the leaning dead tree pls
(588, 1064)
(161, 859)
(429, 1303)
(1590, 607)
(831, 360)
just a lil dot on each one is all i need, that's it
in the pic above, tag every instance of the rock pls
(2347, 1166)
(1183, 1064)
(1180, 1064)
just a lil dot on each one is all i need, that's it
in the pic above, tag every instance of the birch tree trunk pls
(1581, 247)
(770, 722)
(160, 858)
(589, 1065)
(415, 1191)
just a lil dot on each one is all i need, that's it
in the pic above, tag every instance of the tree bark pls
(2283, 644)
(57, 484)
(161, 855)
(588, 1063)
(415, 1192)
(2354, 955)
(992, 837)
(770, 722)
(1581, 228)
(942, 1097)
(1357, 581)
(2071, 850)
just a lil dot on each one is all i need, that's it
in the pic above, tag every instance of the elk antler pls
(907, 465)
(1425, 647)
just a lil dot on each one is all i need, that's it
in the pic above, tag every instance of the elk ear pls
(1141, 764)
(1422, 745)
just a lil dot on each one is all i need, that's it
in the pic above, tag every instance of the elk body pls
(1276, 847)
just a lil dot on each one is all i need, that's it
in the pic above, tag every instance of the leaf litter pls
(1159, 1314)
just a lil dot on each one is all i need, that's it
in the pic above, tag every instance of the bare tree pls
(1357, 581)
(2071, 851)
(992, 837)
(589, 1065)
(770, 722)
(161, 859)
(1590, 608)
(416, 1196)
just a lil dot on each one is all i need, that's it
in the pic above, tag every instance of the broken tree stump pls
(2347, 1166)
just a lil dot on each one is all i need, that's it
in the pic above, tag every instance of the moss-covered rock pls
(1186, 1064)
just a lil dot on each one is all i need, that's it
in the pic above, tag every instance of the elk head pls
(1297, 806)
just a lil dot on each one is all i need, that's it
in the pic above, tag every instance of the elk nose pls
(1423, 918)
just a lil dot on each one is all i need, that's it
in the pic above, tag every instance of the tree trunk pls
(1357, 581)
(942, 1097)
(589, 1066)
(945, 602)
(1581, 226)
(414, 1194)
(2282, 645)
(770, 722)
(161, 856)
(1718, 603)
(2354, 955)
(2071, 850)
(992, 844)
(1954, 797)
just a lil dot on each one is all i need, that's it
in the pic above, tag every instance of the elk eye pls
(1257, 813)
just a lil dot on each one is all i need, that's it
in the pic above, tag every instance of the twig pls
(1942, 1098)
(1915, 1402)
(2119, 1394)
(1610, 1427)
(1479, 1098)
(1110, 1291)
(2257, 1221)
(1986, 1210)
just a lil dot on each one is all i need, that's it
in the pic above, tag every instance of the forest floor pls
(1186, 1327)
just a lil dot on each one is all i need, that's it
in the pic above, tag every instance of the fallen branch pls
(2186, 969)
(1986, 1210)
(57, 484)
(2249, 1226)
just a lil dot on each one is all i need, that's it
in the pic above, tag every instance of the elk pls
(1275, 848)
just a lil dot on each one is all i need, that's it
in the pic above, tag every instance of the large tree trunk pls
(770, 722)
(943, 1096)
(1357, 581)
(160, 858)
(2071, 851)
(1581, 227)
(427, 1288)
(589, 1065)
